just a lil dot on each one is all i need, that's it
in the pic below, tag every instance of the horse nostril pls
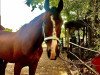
(58, 52)
(49, 52)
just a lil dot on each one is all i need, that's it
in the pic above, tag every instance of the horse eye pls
(46, 41)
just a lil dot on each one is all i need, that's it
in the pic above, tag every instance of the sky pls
(15, 13)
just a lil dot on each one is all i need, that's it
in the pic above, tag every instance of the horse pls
(24, 47)
(2, 62)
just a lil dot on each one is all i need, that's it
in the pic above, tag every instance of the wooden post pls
(68, 37)
(86, 38)
(78, 37)
(83, 36)
(65, 37)
(79, 51)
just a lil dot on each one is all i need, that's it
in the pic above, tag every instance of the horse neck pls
(31, 34)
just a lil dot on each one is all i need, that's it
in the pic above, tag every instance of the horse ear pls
(46, 5)
(60, 6)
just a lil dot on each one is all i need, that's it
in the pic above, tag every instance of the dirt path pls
(45, 67)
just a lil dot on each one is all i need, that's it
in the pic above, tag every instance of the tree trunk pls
(95, 5)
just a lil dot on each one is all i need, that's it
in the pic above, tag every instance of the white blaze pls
(54, 41)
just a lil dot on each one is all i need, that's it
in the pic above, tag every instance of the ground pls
(45, 67)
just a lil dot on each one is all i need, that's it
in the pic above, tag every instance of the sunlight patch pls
(63, 73)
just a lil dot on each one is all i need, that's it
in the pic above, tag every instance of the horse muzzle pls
(52, 55)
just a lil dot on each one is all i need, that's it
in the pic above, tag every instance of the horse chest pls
(6, 48)
(29, 57)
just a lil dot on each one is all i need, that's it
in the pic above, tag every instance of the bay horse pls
(2, 62)
(24, 46)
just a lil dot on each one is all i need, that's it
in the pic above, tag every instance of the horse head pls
(52, 28)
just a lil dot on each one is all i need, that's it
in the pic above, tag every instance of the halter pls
(53, 37)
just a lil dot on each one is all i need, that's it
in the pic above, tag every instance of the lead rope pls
(79, 58)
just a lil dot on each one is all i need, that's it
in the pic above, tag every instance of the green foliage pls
(39, 3)
(35, 3)
(8, 30)
(74, 9)
(54, 3)
(62, 32)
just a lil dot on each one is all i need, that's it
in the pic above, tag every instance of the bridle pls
(53, 37)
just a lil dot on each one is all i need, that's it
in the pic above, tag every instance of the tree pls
(39, 3)
(95, 6)
(8, 30)
(76, 9)
(72, 8)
